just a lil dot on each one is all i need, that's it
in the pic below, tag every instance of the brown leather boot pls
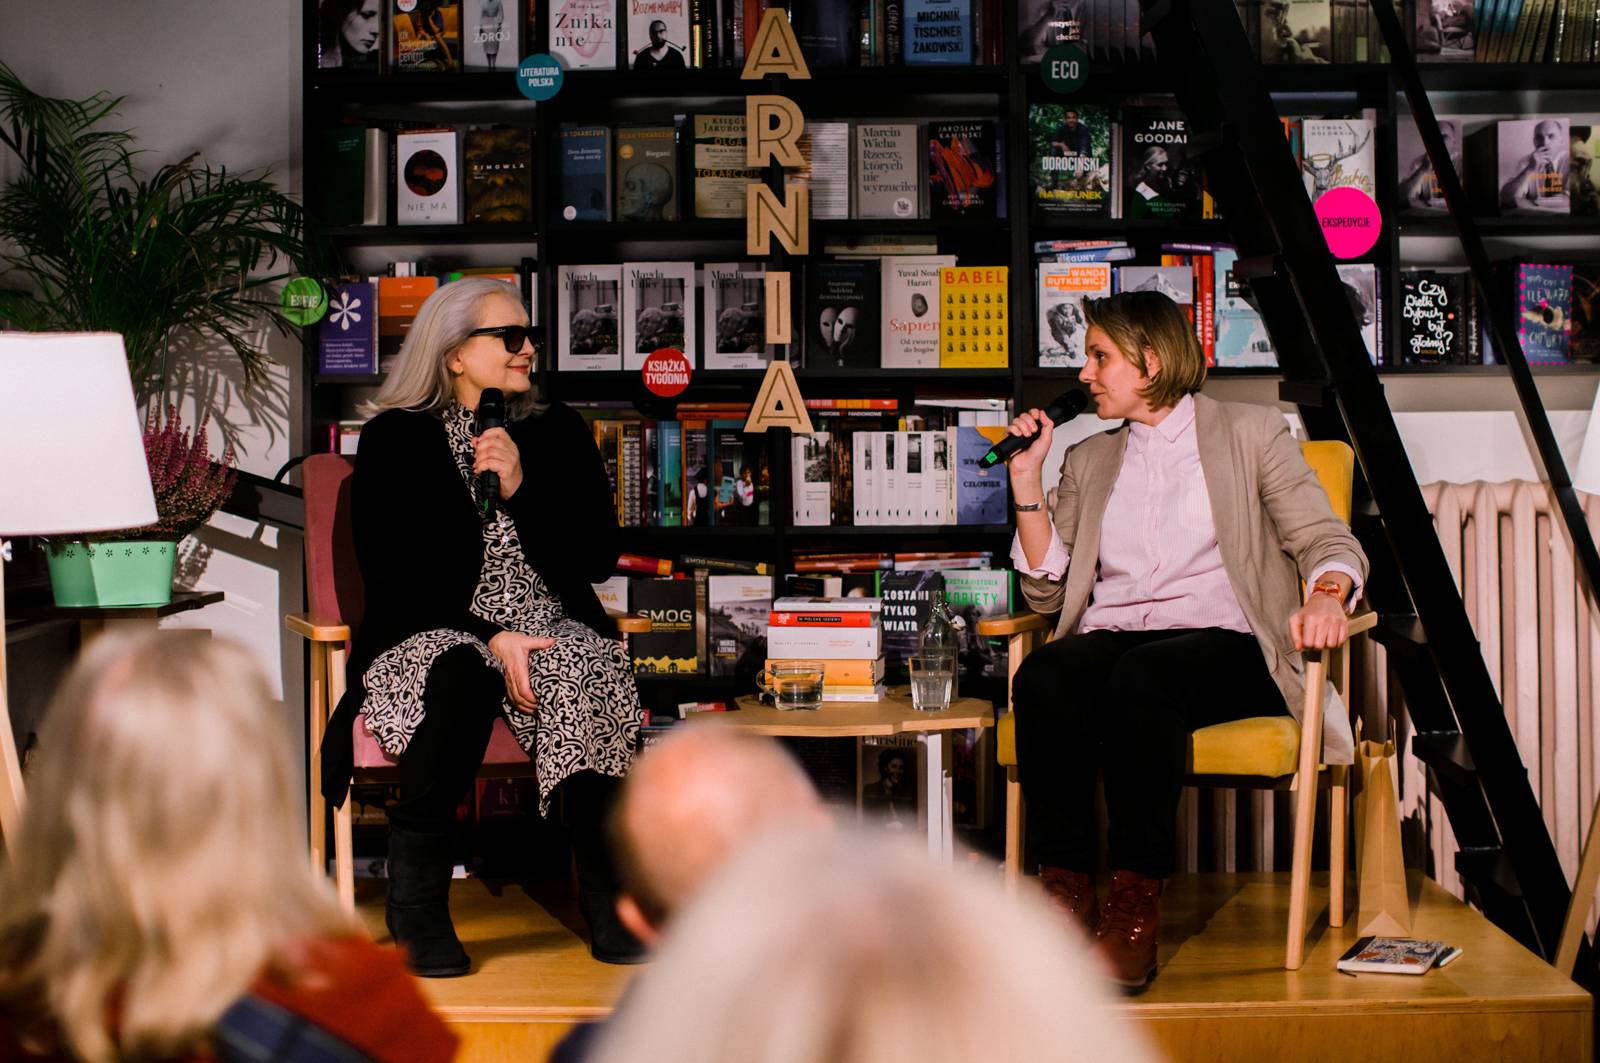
(1072, 894)
(1127, 933)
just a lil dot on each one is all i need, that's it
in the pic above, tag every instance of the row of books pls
(1198, 277)
(1312, 31)
(852, 169)
(368, 319)
(1087, 160)
(853, 474)
(419, 36)
(899, 312)
(446, 176)
(1503, 31)
(1528, 166)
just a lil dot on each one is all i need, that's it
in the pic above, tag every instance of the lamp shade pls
(1586, 477)
(71, 446)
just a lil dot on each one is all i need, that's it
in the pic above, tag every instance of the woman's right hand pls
(512, 649)
(1024, 464)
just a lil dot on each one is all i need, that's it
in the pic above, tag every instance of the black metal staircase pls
(1507, 860)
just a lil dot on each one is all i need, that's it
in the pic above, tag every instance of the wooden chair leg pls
(1305, 810)
(10, 760)
(1338, 847)
(316, 727)
(344, 861)
(1013, 828)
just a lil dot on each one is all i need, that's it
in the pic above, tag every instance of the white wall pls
(222, 78)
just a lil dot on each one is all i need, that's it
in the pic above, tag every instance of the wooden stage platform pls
(1222, 993)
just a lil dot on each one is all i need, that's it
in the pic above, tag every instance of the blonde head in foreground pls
(160, 867)
(817, 948)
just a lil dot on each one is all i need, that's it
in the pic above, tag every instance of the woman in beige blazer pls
(1175, 555)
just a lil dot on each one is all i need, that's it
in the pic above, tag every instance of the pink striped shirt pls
(1160, 566)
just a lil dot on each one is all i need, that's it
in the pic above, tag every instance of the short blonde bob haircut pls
(1149, 321)
(844, 948)
(160, 868)
(420, 379)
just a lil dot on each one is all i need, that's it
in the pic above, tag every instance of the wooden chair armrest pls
(1015, 624)
(1361, 620)
(631, 623)
(309, 627)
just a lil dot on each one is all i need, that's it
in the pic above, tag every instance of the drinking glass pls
(793, 684)
(931, 679)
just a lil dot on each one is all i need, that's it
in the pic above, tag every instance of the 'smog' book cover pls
(427, 191)
(962, 170)
(489, 38)
(1069, 161)
(647, 174)
(842, 314)
(499, 175)
(588, 301)
(583, 33)
(1063, 286)
(1159, 180)
(670, 644)
(585, 193)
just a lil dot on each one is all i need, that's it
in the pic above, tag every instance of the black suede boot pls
(587, 802)
(417, 909)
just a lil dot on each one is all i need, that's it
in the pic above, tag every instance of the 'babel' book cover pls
(962, 170)
(1069, 162)
(1159, 180)
(498, 166)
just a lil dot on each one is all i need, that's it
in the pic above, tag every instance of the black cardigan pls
(419, 539)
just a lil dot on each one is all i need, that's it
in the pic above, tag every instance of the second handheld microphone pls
(1066, 406)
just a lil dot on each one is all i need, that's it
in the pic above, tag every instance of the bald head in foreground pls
(690, 804)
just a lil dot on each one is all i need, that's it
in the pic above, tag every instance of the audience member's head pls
(161, 865)
(688, 805)
(844, 949)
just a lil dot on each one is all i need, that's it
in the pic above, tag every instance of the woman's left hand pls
(495, 452)
(1320, 624)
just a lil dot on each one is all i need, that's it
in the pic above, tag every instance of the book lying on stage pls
(1377, 955)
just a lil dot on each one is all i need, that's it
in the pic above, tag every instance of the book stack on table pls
(845, 635)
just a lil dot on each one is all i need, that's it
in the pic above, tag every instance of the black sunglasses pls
(514, 336)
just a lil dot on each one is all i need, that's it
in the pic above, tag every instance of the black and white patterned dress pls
(588, 707)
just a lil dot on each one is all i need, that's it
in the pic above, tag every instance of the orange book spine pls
(821, 619)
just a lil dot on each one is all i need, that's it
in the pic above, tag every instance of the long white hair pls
(420, 380)
(161, 864)
(838, 948)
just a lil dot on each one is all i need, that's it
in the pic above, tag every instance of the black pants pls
(460, 703)
(1125, 702)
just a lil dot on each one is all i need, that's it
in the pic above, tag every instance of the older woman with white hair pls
(482, 607)
(157, 904)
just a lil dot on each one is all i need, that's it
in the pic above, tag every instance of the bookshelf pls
(998, 92)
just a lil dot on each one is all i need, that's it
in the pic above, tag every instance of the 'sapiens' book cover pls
(938, 32)
(588, 305)
(658, 34)
(911, 310)
(1338, 153)
(647, 174)
(347, 338)
(1242, 338)
(1544, 311)
(498, 164)
(1063, 286)
(841, 326)
(583, 33)
(426, 36)
(670, 645)
(812, 473)
(720, 172)
(658, 309)
(1360, 281)
(490, 39)
(974, 318)
(1433, 317)
(585, 191)
(887, 181)
(427, 184)
(736, 316)
(962, 170)
(1159, 179)
(1069, 162)
(1419, 189)
(737, 623)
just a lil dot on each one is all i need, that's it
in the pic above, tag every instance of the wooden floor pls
(1222, 993)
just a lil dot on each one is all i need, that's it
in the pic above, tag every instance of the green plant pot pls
(116, 573)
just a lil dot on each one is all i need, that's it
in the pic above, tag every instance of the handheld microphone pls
(1066, 406)
(491, 414)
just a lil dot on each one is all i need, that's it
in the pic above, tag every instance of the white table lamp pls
(71, 461)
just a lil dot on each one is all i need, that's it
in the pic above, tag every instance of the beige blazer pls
(1274, 528)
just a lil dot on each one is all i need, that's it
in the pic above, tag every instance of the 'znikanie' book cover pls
(962, 170)
(938, 32)
(1544, 309)
(1159, 180)
(585, 192)
(498, 165)
(647, 169)
(1069, 162)
(583, 34)
(842, 314)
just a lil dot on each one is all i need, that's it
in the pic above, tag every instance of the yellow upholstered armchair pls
(1265, 752)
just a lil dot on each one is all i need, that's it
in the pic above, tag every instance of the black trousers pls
(460, 703)
(1124, 702)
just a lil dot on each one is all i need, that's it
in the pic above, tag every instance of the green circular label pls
(304, 301)
(1065, 68)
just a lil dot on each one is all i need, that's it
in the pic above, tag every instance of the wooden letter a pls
(778, 403)
(775, 50)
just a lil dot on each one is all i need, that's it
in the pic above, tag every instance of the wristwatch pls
(1028, 507)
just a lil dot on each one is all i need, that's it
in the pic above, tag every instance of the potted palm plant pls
(89, 241)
